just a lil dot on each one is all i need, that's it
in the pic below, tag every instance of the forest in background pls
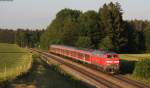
(21, 37)
(104, 29)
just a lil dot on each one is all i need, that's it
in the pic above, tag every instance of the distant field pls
(135, 57)
(13, 61)
(10, 48)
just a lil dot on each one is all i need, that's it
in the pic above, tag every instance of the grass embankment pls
(42, 75)
(134, 57)
(14, 61)
(129, 63)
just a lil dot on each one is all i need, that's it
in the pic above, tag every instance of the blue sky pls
(39, 13)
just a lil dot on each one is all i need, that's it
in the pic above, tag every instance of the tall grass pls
(14, 61)
(19, 69)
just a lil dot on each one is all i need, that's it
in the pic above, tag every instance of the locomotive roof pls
(72, 48)
(103, 52)
(85, 50)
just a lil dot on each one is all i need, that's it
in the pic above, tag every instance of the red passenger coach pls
(108, 61)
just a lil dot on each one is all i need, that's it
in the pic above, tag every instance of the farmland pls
(13, 61)
(134, 57)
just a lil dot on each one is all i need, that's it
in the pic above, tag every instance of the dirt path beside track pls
(42, 76)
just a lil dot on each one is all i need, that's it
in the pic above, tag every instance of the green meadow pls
(134, 57)
(14, 61)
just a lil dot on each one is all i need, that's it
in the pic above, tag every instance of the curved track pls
(136, 83)
(114, 81)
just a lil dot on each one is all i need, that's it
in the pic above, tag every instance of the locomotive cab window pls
(115, 56)
(109, 56)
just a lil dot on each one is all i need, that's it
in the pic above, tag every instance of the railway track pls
(112, 81)
(139, 84)
(120, 77)
(99, 80)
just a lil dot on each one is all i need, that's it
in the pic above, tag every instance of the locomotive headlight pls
(109, 62)
(116, 61)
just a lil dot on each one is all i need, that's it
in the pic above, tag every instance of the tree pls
(71, 32)
(147, 38)
(61, 28)
(7, 36)
(90, 27)
(132, 44)
(106, 43)
(111, 19)
(27, 38)
(135, 36)
(83, 42)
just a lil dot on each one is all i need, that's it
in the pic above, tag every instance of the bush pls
(142, 69)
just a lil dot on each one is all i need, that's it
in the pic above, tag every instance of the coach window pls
(59, 50)
(81, 55)
(74, 53)
(70, 53)
(67, 52)
(87, 56)
(52, 49)
(62, 51)
(56, 49)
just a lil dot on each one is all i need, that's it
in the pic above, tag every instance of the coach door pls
(87, 58)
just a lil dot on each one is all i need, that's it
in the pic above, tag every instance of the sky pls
(38, 14)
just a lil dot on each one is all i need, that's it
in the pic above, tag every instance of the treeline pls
(103, 29)
(7, 36)
(22, 37)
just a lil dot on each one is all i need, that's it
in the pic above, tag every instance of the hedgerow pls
(142, 69)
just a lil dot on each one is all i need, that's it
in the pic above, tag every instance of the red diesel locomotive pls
(108, 61)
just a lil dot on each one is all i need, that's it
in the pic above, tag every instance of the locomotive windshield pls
(98, 52)
(110, 55)
(103, 52)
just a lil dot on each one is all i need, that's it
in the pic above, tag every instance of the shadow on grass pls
(127, 67)
(42, 75)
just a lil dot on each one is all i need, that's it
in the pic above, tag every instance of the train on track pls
(108, 61)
